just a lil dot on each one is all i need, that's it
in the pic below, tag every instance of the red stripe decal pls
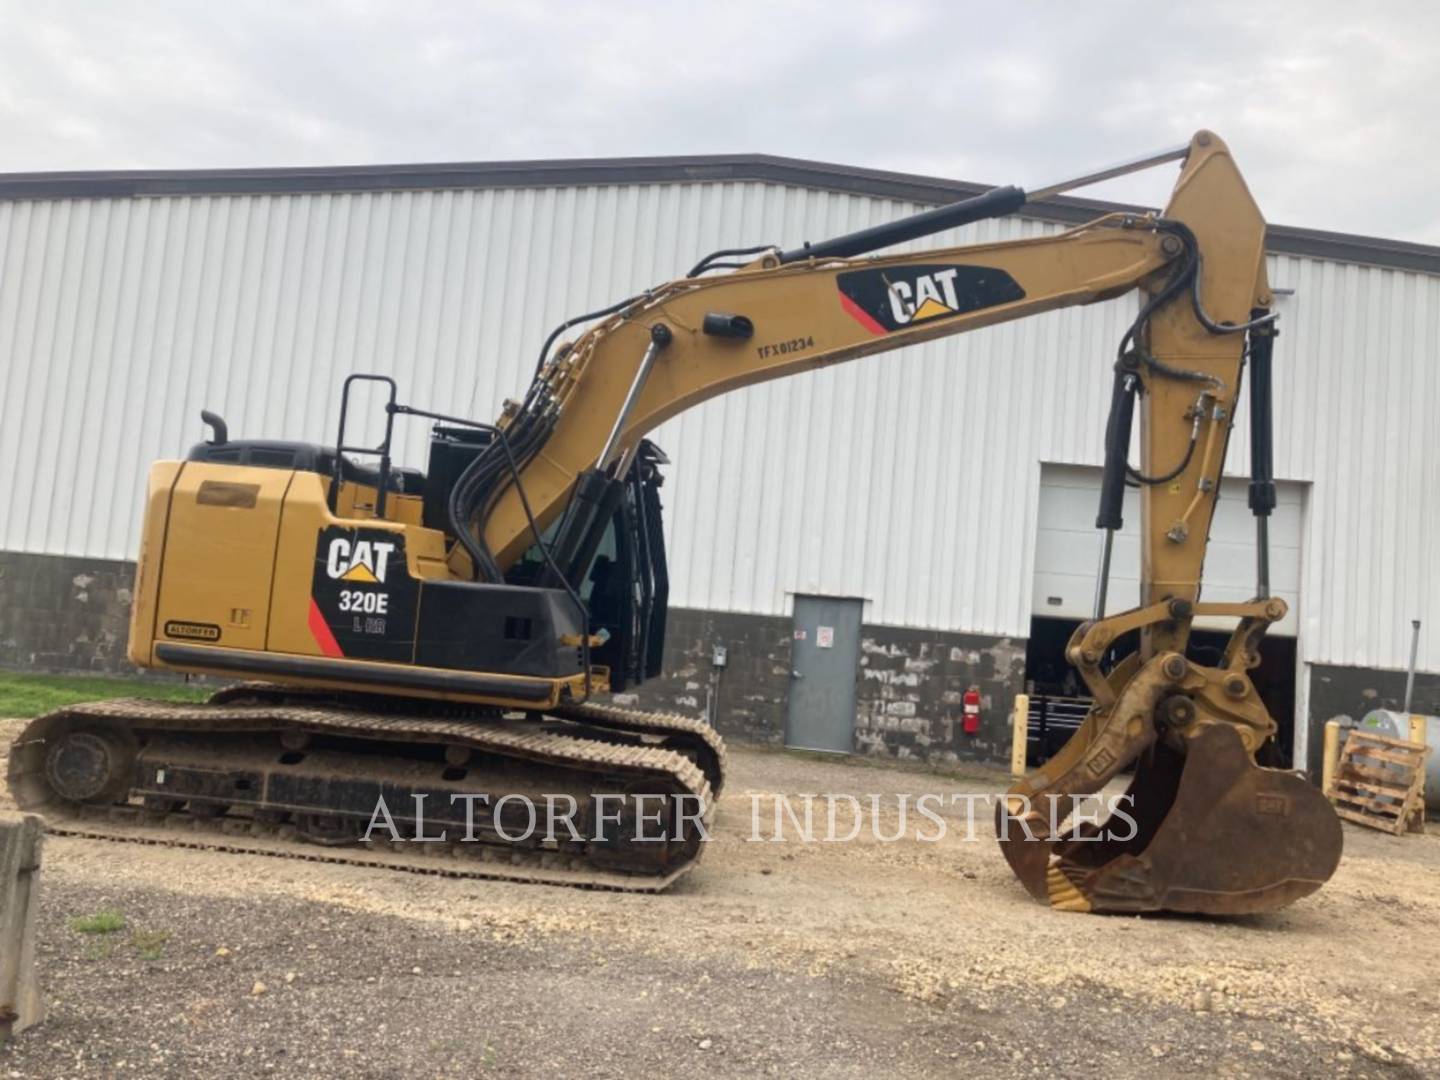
(860, 315)
(320, 630)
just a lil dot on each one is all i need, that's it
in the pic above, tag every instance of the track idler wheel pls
(90, 765)
(1201, 829)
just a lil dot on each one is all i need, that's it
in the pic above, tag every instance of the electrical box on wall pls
(717, 656)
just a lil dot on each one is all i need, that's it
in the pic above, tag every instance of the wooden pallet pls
(1379, 782)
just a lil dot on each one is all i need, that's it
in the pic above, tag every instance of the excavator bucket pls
(1200, 829)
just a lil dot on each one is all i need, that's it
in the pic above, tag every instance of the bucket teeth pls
(1064, 896)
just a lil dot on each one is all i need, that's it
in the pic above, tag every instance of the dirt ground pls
(789, 959)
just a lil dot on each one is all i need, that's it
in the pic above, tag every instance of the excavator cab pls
(625, 588)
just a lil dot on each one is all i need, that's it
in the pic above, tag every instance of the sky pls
(1329, 107)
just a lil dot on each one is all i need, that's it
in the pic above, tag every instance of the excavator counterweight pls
(410, 640)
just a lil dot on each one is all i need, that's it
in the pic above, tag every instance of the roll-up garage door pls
(1067, 551)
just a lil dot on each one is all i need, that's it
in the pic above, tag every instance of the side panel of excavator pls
(245, 571)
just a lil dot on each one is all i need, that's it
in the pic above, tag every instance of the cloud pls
(1327, 109)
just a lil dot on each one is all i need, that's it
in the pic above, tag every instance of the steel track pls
(625, 752)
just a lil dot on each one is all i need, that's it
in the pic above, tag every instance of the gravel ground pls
(787, 959)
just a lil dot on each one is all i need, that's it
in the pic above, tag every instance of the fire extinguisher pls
(971, 707)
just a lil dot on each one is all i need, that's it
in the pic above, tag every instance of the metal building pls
(941, 496)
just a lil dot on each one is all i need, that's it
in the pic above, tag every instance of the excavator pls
(430, 650)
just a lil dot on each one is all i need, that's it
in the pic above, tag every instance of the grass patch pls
(24, 696)
(104, 929)
(102, 922)
(150, 944)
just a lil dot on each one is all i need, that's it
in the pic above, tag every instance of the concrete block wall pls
(908, 684)
(746, 698)
(64, 614)
(911, 686)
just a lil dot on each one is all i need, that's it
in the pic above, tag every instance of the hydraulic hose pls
(1117, 447)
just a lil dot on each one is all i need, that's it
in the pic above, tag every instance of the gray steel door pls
(824, 664)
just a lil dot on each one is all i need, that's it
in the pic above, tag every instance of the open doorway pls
(1058, 698)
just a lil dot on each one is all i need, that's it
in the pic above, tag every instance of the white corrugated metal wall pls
(910, 478)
